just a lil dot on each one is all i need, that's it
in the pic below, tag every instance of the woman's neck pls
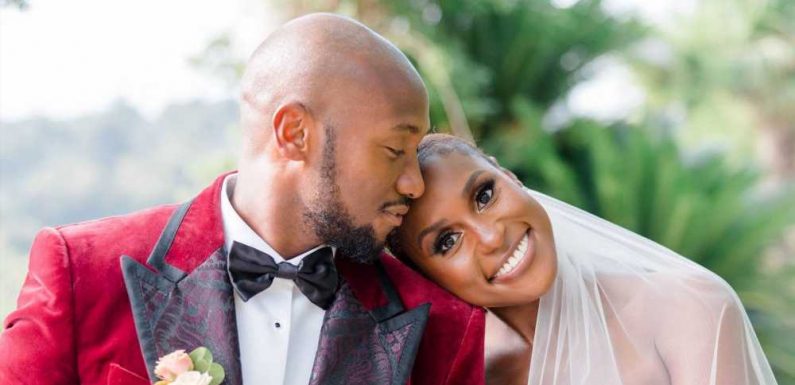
(521, 318)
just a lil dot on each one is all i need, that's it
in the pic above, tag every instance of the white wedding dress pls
(626, 310)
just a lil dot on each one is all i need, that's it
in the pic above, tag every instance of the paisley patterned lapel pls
(174, 310)
(358, 346)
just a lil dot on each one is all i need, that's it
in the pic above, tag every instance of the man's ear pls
(292, 124)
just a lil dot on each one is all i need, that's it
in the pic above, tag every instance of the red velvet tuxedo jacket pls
(104, 299)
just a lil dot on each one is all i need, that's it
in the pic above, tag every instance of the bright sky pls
(67, 58)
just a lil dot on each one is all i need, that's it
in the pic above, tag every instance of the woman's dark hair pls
(431, 146)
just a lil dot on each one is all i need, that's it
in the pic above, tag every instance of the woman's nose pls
(491, 238)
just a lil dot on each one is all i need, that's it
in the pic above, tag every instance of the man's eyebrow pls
(470, 182)
(429, 230)
(410, 128)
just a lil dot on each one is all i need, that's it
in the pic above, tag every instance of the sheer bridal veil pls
(625, 310)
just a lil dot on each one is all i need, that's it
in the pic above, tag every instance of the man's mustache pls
(402, 201)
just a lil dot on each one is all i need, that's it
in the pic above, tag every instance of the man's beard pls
(329, 219)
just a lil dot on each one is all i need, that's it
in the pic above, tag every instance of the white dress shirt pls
(279, 328)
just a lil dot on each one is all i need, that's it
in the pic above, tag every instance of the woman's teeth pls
(515, 258)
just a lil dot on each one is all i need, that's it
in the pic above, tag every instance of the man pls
(331, 116)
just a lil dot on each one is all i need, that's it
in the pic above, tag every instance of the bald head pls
(332, 114)
(324, 62)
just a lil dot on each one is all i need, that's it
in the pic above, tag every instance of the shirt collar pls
(237, 230)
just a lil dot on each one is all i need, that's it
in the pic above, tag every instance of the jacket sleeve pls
(469, 365)
(37, 344)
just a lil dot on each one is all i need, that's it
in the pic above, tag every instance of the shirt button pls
(278, 325)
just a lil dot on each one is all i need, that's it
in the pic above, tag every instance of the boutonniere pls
(196, 368)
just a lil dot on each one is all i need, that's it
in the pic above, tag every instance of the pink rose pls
(170, 366)
(193, 378)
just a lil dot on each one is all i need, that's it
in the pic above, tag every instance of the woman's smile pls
(516, 262)
(479, 234)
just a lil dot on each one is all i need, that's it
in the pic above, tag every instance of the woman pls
(572, 299)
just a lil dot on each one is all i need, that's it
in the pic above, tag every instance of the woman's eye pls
(484, 195)
(446, 242)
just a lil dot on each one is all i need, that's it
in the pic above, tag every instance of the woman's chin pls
(504, 301)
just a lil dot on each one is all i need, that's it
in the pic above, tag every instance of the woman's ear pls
(292, 125)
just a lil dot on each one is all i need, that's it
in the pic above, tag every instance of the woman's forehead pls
(443, 173)
(445, 177)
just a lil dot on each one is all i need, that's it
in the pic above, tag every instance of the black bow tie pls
(253, 271)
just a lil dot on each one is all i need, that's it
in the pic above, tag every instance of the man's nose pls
(410, 181)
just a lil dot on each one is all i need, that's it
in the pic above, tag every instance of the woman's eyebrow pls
(430, 229)
(470, 181)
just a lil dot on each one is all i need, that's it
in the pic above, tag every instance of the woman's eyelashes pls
(446, 240)
(484, 194)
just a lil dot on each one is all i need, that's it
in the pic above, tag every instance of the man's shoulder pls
(414, 289)
(148, 222)
(130, 223)
(133, 234)
(452, 347)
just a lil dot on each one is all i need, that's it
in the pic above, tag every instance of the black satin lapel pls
(401, 335)
(198, 310)
(357, 348)
(400, 332)
(146, 291)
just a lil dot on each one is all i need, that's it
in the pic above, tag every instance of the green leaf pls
(216, 371)
(202, 359)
